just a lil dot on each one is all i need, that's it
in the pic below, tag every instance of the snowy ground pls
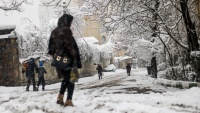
(115, 93)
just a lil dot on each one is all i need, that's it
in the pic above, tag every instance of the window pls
(103, 40)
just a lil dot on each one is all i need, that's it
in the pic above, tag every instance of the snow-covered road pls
(115, 93)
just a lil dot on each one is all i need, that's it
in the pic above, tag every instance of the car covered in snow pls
(110, 68)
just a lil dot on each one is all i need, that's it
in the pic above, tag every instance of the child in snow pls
(41, 72)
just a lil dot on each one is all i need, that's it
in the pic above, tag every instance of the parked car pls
(110, 68)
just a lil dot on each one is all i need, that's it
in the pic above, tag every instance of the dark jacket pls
(30, 69)
(62, 42)
(41, 71)
(128, 67)
(99, 69)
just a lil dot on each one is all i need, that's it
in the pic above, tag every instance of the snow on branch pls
(14, 4)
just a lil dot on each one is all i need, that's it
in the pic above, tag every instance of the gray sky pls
(13, 17)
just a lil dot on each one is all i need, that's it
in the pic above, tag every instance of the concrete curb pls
(177, 84)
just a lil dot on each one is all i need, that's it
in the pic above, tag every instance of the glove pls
(74, 76)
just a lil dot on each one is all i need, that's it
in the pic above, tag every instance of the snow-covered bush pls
(182, 73)
(162, 74)
(89, 52)
(162, 66)
(94, 53)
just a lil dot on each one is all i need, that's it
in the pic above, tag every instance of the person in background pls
(99, 70)
(41, 72)
(30, 69)
(128, 69)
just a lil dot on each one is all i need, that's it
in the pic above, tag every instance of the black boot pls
(27, 88)
(35, 88)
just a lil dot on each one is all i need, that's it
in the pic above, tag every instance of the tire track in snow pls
(105, 82)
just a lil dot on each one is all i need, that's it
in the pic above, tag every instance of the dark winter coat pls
(128, 68)
(62, 42)
(41, 71)
(30, 69)
(99, 69)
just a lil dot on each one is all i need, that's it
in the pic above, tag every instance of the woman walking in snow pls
(63, 43)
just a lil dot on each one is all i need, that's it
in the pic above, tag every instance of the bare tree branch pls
(13, 5)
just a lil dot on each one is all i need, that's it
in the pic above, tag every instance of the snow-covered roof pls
(91, 40)
(116, 59)
(3, 27)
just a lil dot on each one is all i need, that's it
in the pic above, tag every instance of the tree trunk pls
(198, 7)
(190, 27)
(191, 36)
(154, 67)
(155, 28)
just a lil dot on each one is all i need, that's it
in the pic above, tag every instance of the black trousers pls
(29, 79)
(66, 84)
(41, 80)
(100, 75)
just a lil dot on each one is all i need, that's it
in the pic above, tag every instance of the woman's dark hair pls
(65, 20)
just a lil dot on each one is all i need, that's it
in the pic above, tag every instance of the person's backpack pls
(30, 64)
(24, 66)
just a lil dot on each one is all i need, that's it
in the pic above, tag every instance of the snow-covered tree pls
(167, 25)
(11, 5)
(29, 40)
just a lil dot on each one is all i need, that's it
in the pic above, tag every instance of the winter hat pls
(65, 20)
(31, 60)
(40, 63)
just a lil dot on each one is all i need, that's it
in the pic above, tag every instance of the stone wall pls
(88, 69)
(9, 62)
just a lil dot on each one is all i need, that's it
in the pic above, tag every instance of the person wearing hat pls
(41, 72)
(99, 69)
(30, 73)
(63, 43)
(128, 69)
